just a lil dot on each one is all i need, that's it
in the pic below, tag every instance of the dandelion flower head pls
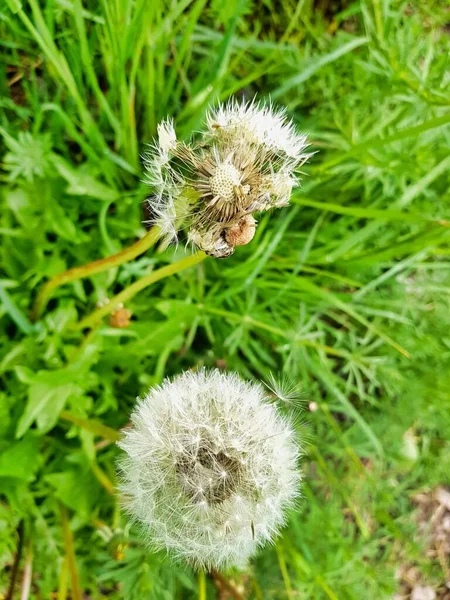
(210, 468)
(243, 162)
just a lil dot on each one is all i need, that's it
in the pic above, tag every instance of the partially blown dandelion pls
(244, 162)
(211, 468)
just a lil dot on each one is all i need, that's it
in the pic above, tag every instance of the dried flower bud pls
(243, 162)
(120, 317)
(211, 468)
(242, 232)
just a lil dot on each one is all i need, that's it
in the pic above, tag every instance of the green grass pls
(346, 291)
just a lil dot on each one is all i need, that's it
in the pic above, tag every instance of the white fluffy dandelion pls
(210, 468)
(243, 162)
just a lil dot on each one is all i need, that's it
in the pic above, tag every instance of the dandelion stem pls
(97, 266)
(201, 585)
(129, 292)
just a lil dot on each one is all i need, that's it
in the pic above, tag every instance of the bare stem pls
(98, 266)
(129, 292)
(201, 585)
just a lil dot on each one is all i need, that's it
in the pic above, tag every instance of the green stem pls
(284, 571)
(201, 585)
(103, 479)
(129, 292)
(93, 426)
(98, 266)
(70, 555)
(62, 582)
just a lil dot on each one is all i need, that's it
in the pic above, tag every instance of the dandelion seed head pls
(244, 162)
(215, 483)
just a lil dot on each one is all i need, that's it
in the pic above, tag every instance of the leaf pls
(178, 308)
(60, 222)
(318, 63)
(20, 459)
(19, 318)
(156, 336)
(5, 416)
(49, 390)
(78, 490)
(82, 184)
(335, 301)
(14, 6)
(47, 396)
(363, 212)
(92, 426)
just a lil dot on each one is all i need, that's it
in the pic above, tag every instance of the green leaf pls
(317, 63)
(78, 490)
(19, 318)
(21, 459)
(180, 309)
(14, 5)
(83, 184)
(47, 396)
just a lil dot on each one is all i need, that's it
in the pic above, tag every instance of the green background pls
(345, 292)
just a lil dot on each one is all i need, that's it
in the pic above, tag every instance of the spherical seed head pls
(210, 468)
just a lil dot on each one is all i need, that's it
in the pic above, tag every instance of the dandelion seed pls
(285, 388)
(212, 502)
(166, 137)
(244, 162)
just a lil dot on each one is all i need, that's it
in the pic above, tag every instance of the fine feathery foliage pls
(343, 295)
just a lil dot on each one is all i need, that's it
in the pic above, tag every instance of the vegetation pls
(346, 292)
